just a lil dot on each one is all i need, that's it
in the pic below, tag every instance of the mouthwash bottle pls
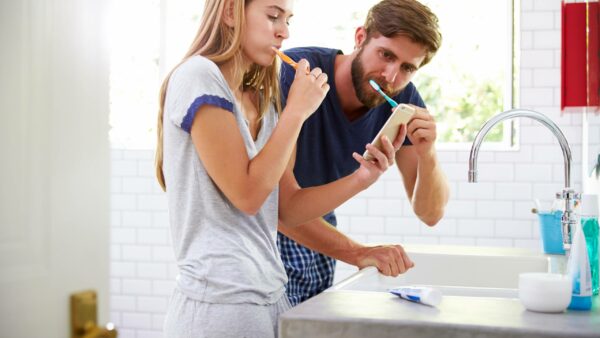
(589, 224)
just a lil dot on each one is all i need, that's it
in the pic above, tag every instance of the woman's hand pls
(369, 171)
(307, 91)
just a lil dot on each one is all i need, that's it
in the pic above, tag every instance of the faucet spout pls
(568, 217)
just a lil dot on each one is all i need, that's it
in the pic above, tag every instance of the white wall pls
(494, 212)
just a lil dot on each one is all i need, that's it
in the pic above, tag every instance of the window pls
(470, 79)
(473, 75)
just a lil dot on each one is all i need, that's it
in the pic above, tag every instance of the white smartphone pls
(402, 114)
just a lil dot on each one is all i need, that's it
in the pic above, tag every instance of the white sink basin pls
(458, 271)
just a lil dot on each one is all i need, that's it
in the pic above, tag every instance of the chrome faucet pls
(569, 195)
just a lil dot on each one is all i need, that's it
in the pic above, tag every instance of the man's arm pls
(424, 181)
(320, 236)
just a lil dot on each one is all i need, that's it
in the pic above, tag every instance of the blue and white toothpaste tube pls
(419, 294)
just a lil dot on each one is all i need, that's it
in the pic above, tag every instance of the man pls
(398, 37)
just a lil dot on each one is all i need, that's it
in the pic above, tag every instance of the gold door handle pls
(99, 332)
(84, 318)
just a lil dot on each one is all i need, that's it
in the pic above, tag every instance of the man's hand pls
(390, 260)
(422, 131)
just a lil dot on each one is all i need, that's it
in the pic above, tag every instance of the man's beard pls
(363, 90)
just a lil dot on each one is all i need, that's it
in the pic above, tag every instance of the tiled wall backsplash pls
(493, 212)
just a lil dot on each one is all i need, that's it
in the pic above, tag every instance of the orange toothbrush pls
(286, 58)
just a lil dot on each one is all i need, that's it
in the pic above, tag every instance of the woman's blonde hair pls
(221, 43)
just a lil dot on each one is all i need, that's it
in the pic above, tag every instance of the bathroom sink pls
(457, 271)
(480, 299)
(369, 279)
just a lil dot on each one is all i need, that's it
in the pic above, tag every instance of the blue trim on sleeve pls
(212, 100)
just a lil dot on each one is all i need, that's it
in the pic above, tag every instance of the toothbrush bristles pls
(374, 85)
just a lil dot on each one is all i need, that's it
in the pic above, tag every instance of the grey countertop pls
(379, 314)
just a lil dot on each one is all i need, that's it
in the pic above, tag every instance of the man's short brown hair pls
(405, 17)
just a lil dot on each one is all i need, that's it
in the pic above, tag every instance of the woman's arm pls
(221, 148)
(247, 182)
(298, 205)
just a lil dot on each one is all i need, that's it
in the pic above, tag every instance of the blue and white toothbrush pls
(375, 86)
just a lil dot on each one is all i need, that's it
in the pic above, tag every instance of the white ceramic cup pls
(544, 292)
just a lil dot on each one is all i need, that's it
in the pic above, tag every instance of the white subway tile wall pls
(494, 212)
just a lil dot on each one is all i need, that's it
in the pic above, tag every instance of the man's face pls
(391, 62)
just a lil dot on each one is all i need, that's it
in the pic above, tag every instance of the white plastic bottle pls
(579, 272)
(589, 223)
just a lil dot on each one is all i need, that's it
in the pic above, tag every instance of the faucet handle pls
(569, 218)
(570, 194)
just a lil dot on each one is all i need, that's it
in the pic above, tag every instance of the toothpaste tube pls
(419, 294)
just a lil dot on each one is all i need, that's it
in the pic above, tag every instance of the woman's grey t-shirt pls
(223, 255)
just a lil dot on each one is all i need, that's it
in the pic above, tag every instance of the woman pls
(222, 149)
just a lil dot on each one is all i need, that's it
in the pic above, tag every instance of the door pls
(54, 162)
